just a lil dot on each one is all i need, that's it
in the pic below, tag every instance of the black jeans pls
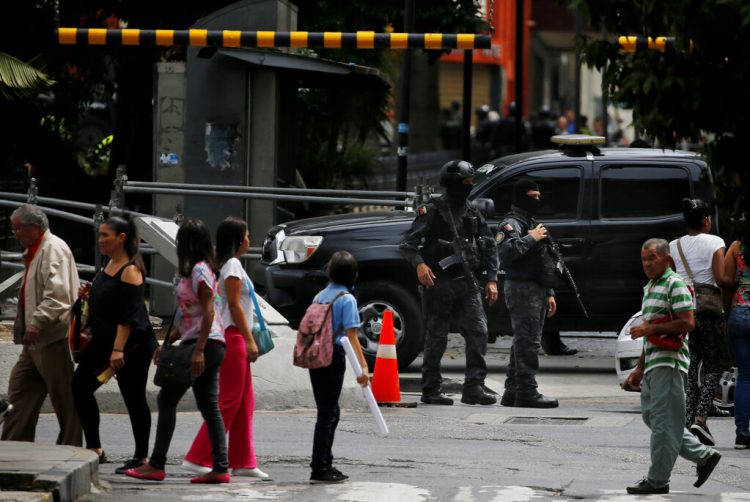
(206, 392)
(326, 384)
(132, 382)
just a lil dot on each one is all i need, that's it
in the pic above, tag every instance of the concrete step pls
(31, 471)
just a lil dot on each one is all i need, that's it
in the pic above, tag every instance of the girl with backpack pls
(328, 381)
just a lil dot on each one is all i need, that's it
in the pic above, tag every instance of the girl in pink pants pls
(236, 397)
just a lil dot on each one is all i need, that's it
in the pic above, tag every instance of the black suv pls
(599, 204)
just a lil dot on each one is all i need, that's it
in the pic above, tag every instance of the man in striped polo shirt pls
(668, 310)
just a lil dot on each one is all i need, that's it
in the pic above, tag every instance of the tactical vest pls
(437, 242)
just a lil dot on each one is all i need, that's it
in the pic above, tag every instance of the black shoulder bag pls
(174, 368)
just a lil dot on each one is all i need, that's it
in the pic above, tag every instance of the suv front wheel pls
(374, 298)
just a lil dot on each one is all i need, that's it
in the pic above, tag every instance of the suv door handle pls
(570, 243)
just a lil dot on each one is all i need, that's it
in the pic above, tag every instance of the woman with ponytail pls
(122, 339)
(236, 395)
(699, 260)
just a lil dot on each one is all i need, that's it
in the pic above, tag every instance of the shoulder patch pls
(422, 210)
(508, 227)
(499, 237)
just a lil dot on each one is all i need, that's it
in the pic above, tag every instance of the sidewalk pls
(596, 355)
(31, 471)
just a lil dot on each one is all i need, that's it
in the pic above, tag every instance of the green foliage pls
(682, 94)
(340, 139)
(339, 129)
(19, 80)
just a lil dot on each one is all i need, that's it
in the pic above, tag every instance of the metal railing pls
(87, 269)
(122, 186)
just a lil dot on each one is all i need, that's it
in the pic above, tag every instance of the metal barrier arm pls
(239, 195)
(636, 43)
(278, 190)
(271, 39)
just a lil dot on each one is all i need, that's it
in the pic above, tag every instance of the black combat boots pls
(477, 395)
(509, 398)
(534, 400)
(436, 398)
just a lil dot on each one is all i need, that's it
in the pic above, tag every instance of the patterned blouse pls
(742, 296)
(189, 308)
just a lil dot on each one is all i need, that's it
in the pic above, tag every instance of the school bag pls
(314, 347)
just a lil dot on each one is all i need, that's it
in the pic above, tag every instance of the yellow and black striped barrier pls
(272, 39)
(633, 44)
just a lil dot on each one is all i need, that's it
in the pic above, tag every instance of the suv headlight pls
(298, 248)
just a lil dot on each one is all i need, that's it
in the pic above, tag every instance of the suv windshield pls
(485, 173)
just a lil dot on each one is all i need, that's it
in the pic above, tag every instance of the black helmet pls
(455, 170)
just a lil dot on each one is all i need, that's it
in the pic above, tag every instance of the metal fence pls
(122, 186)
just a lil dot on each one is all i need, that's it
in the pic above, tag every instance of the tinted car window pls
(642, 192)
(560, 189)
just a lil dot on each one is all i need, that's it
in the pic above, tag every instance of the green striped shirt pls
(663, 297)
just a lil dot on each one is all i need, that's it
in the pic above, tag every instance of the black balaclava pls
(520, 199)
(457, 192)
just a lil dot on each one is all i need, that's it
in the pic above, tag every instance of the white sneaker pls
(250, 473)
(5, 409)
(192, 467)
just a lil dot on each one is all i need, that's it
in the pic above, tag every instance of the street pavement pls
(590, 448)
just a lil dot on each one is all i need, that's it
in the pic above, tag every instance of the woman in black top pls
(122, 338)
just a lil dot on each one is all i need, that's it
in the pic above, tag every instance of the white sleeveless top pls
(699, 252)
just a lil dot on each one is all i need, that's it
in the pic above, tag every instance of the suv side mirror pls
(484, 206)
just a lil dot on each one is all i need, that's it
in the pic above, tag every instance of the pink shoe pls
(150, 476)
(215, 479)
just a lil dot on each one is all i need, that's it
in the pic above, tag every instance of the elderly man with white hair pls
(49, 289)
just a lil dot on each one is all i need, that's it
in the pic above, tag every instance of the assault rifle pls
(461, 252)
(560, 265)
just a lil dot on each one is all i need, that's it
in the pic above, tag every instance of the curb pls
(60, 473)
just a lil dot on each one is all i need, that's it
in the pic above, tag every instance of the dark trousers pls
(132, 382)
(450, 300)
(326, 384)
(206, 392)
(708, 344)
(527, 304)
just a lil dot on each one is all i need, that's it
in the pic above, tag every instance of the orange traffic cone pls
(385, 385)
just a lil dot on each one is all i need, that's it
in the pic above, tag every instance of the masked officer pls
(520, 241)
(449, 295)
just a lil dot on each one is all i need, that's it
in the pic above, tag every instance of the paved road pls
(588, 449)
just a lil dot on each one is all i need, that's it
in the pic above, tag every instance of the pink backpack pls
(314, 347)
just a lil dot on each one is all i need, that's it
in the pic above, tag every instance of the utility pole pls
(403, 123)
(518, 129)
(577, 26)
(466, 116)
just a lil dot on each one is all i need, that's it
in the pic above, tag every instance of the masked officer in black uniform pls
(521, 241)
(448, 294)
